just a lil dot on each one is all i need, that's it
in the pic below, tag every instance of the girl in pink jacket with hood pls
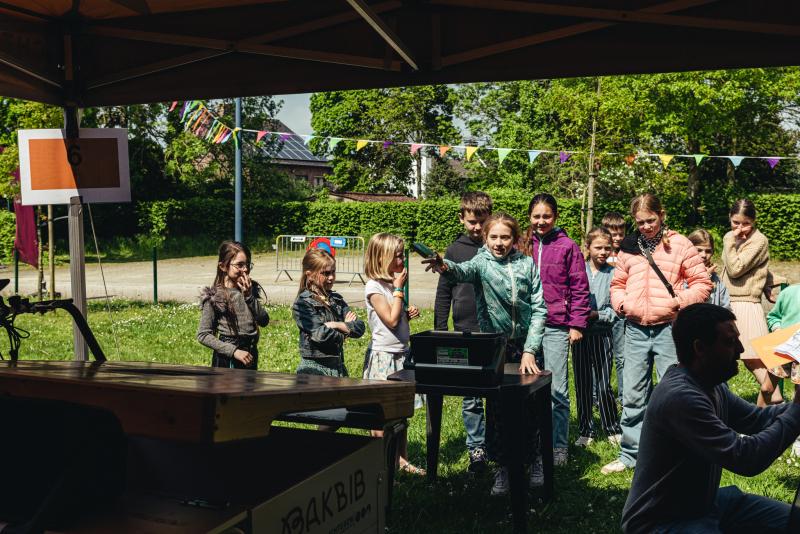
(649, 306)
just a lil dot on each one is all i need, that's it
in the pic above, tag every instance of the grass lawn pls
(586, 501)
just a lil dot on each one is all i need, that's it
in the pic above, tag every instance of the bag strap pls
(661, 276)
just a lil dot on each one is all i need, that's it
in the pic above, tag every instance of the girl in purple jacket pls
(566, 292)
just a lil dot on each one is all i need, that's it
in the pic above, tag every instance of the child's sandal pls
(412, 469)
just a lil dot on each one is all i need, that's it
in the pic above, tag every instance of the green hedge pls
(432, 221)
(435, 222)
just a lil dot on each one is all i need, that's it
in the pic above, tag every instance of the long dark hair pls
(744, 207)
(543, 198)
(228, 250)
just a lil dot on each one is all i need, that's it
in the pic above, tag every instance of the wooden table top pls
(192, 403)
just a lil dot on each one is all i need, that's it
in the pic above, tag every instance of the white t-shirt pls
(384, 338)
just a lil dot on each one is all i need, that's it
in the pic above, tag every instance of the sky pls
(295, 113)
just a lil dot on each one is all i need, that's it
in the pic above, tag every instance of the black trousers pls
(591, 361)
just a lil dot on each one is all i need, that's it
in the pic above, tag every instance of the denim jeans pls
(735, 511)
(556, 355)
(472, 413)
(644, 347)
(618, 349)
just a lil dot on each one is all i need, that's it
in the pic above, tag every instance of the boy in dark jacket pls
(475, 208)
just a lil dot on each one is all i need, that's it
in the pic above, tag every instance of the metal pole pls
(155, 275)
(592, 170)
(39, 255)
(51, 251)
(407, 286)
(77, 272)
(16, 271)
(238, 178)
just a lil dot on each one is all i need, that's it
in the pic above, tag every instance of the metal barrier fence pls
(348, 251)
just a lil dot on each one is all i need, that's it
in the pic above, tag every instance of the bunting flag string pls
(203, 123)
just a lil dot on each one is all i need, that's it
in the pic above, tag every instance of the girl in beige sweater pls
(745, 256)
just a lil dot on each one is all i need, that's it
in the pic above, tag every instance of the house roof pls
(372, 197)
(115, 52)
(292, 149)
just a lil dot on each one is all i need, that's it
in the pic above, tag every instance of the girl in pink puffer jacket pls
(648, 305)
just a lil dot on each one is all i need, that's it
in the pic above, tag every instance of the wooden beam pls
(558, 33)
(157, 66)
(24, 11)
(319, 24)
(383, 29)
(15, 63)
(617, 15)
(139, 7)
(320, 56)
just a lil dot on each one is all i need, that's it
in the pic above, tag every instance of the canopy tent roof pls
(112, 52)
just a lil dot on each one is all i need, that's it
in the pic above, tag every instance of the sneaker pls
(616, 439)
(614, 467)
(477, 460)
(537, 474)
(584, 441)
(500, 486)
(560, 456)
(796, 448)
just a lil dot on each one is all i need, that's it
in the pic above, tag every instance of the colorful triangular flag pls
(698, 158)
(736, 160)
(236, 137)
(563, 156)
(415, 148)
(307, 138)
(175, 103)
(259, 135)
(387, 144)
(332, 142)
(772, 162)
(532, 155)
(665, 159)
(361, 143)
(502, 153)
(470, 151)
(629, 159)
(444, 149)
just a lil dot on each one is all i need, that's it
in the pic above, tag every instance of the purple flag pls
(285, 136)
(564, 156)
(387, 144)
(772, 162)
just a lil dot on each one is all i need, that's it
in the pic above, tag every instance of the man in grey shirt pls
(694, 427)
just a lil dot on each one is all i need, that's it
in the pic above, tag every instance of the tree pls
(398, 115)
(745, 111)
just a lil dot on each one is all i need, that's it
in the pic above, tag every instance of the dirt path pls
(181, 280)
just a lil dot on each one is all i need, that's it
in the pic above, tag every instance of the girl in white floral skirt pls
(388, 318)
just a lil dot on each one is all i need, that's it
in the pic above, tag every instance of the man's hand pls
(527, 366)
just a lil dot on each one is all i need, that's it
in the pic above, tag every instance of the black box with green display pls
(457, 358)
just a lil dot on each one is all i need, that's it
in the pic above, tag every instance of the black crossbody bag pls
(661, 276)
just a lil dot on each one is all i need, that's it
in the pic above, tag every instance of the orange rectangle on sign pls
(95, 163)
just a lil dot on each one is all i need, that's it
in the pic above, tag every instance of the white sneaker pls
(796, 448)
(584, 441)
(560, 456)
(614, 467)
(500, 486)
(537, 474)
(616, 439)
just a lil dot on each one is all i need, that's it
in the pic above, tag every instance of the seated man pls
(692, 431)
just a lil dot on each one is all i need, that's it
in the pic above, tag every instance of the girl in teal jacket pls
(508, 294)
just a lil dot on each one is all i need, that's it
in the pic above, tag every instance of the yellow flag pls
(665, 159)
(470, 151)
(361, 143)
